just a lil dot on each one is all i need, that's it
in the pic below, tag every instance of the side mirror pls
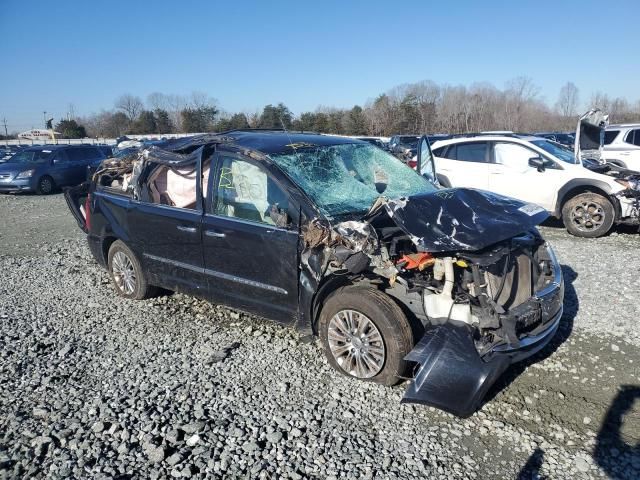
(280, 216)
(537, 163)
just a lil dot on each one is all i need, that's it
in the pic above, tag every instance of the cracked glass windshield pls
(347, 178)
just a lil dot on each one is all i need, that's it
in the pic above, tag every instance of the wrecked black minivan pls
(397, 277)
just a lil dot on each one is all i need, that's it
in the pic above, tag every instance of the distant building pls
(37, 134)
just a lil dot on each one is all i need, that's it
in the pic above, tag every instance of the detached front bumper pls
(454, 377)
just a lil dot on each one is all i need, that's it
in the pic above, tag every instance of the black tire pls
(138, 288)
(45, 185)
(389, 320)
(588, 215)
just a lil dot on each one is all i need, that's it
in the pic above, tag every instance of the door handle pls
(182, 228)
(213, 233)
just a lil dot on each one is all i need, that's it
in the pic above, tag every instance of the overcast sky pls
(332, 53)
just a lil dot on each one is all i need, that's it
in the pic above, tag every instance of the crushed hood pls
(458, 219)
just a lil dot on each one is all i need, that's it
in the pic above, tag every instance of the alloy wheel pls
(123, 273)
(356, 344)
(588, 216)
(45, 185)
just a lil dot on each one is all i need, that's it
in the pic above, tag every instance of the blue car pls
(44, 168)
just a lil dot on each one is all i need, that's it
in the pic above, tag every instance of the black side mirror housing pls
(537, 163)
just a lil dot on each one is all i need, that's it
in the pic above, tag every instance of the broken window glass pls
(348, 178)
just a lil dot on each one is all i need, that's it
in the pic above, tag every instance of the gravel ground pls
(95, 386)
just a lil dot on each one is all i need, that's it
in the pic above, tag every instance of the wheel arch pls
(107, 241)
(328, 286)
(578, 186)
(335, 282)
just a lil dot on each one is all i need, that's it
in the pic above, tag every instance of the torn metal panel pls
(460, 219)
(171, 158)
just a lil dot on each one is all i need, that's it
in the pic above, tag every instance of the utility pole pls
(44, 115)
(4, 121)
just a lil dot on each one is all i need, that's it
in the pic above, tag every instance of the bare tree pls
(202, 100)
(71, 111)
(567, 103)
(157, 100)
(130, 105)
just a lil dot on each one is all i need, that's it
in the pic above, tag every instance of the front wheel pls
(365, 335)
(126, 273)
(588, 215)
(45, 185)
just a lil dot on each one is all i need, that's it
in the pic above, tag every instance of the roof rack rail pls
(253, 129)
(291, 130)
(486, 134)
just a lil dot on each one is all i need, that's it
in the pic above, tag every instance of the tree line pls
(413, 108)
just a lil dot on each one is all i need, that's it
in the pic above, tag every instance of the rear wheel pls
(588, 215)
(365, 335)
(45, 185)
(126, 273)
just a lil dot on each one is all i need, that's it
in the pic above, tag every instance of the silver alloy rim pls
(356, 344)
(588, 216)
(123, 273)
(45, 185)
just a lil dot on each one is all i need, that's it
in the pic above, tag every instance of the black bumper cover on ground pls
(452, 376)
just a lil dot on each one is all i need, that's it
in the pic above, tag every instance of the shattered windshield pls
(347, 178)
(557, 151)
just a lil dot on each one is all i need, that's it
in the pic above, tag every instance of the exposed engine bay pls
(490, 290)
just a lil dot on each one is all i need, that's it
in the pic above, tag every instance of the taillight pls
(412, 163)
(87, 212)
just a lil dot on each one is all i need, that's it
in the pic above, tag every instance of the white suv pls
(536, 170)
(622, 145)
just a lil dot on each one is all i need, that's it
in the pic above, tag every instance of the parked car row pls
(44, 168)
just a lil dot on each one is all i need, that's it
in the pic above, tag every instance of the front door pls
(510, 174)
(250, 239)
(62, 168)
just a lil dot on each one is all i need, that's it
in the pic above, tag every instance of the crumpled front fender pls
(451, 375)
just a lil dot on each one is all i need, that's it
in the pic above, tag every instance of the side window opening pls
(176, 187)
(248, 192)
(610, 136)
(513, 155)
(633, 137)
(475, 152)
